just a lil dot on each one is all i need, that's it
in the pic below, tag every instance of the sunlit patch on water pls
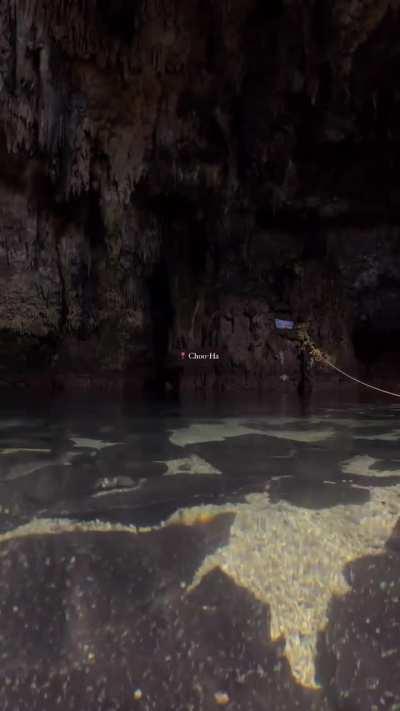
(302, 436)
(189, 465)
(199, 433)
(363, 465)
(24, 450)
(349, 422)
(393, 436)
(88, 443)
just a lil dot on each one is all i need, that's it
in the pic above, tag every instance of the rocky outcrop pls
(177, 174)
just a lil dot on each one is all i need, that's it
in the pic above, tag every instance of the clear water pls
(185, 557)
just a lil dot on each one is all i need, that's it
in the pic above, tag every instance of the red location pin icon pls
(183, 355)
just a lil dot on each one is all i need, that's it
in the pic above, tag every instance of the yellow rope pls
(317, 354)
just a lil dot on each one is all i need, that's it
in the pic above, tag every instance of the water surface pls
(171, 557)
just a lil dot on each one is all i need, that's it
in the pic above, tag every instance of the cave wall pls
(175, 173)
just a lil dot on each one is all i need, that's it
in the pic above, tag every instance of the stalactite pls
(128, 109)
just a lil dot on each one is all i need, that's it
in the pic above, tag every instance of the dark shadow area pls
(120, 18)
(88, 619)
(266, 12)
(162, 318)
(359, 651)
(175, 283)
(156, 499)
(316, 495)
(373, 346)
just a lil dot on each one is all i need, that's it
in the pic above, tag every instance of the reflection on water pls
(246, 558)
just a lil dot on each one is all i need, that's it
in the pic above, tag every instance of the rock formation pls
(175, 174)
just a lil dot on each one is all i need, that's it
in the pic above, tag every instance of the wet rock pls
(263, 133)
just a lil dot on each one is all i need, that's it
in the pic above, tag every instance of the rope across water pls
(317, 354)
(356, 380)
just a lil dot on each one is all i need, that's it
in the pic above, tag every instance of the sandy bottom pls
(288, 557)
(293, 560)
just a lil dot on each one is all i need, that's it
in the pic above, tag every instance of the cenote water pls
(188, 557)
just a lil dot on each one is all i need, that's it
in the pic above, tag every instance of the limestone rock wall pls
(176, 173)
